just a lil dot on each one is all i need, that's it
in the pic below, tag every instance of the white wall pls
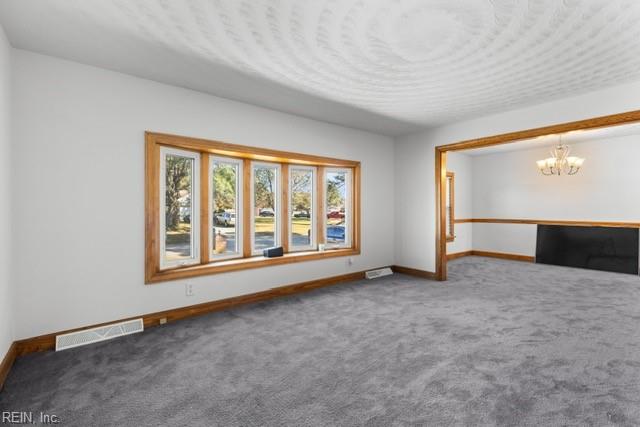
(461, 165)
(79, 212)
(415, 160)
(508, 185)
(6, 251)
(78, 216)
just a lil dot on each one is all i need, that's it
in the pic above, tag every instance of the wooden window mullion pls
(320, 214)
(284, 211)
(246, 208)
(205, 209)
(152, 209)
(355, 203)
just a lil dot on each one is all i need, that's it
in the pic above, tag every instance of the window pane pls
(336, 207)
(224, 177)
(264, 200)
(301, 188)
(178, 207)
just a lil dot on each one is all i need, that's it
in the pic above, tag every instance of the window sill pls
(237, 264)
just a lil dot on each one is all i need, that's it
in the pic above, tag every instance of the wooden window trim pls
(246, 264)
(451, 236)
(284, 209)
(206, 148)
(246, 208)
(205, 202)
(321, 237)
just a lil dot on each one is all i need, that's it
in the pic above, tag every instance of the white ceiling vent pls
(373, 274)
(101, 333)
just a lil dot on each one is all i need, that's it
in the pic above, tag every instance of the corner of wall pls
(396, 200)
(7, 294)
(414, 202)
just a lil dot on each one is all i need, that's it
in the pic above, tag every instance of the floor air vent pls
(373, 274)
(101, 333)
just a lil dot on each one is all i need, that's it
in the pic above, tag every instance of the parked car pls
(185, 214)
(335, 232)
(335, 215)
(226, 218)
(266, 212)
(301, 214)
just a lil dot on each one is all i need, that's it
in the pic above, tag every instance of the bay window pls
(213, 207)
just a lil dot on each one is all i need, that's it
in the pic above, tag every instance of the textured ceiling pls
(368, 63)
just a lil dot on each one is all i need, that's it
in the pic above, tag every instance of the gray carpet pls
(501, 343)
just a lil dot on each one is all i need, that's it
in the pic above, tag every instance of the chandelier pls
(560, 162)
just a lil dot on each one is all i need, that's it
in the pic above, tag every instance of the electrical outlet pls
(188, 290)
(163, 320)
